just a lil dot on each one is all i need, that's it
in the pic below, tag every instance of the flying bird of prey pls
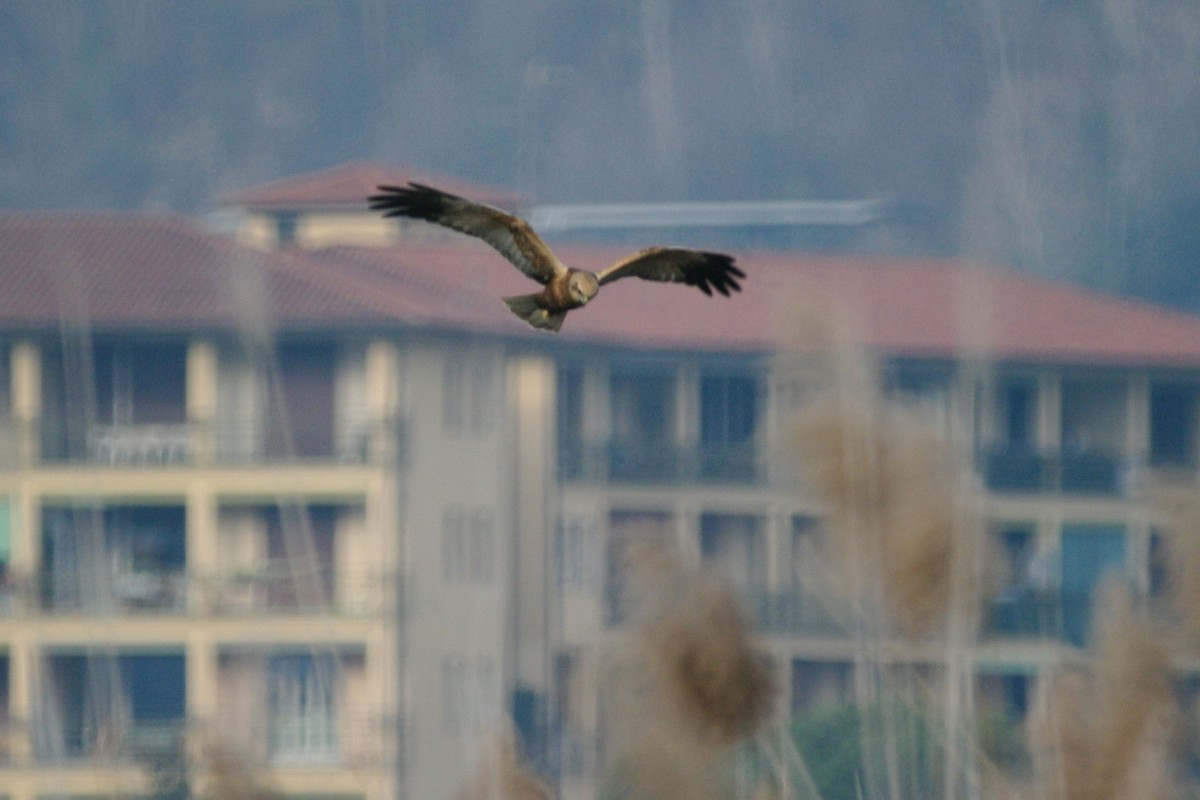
(566, 288)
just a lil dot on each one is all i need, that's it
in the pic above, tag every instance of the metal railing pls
(249, 441)
(113, 742)
(1027, 472)
(236, 442)
(794, 613)
(317, 740)
(1023, 614)
(266, 589)
(660, 463)
(141, 445)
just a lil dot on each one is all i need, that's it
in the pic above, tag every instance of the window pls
(1094, 416)
(468, 545)
(127, 557)
(140, 383)
(569, 416)
(626, 531)
(301, 412)
(817, 684)
(301, 541)
(578, 553)
(922, 386)
(5, 380)
(1018, 414)
(570, 406)
(470, 694)
(302, 722)
(1025, 603)
(643, 407)
(807, 564)
(1173, 424)
(1090, 554)
(114, 705)
(468, 393)
(728, 409)
(728, 419)
(734, 545)
(643, 427)
(5, 535)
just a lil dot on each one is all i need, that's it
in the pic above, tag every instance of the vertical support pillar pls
(382, 406)
(202, 399)
(201, 681)
(26, 364)
(202, 537)
(22, 691)
(533, 388)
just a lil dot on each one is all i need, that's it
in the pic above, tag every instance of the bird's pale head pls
(582, 286)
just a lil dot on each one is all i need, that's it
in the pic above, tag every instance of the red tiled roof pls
(349, 184)
(153, 271)
(931, 308)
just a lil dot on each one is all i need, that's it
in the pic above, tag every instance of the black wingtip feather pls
(715, 271)
(415, 200)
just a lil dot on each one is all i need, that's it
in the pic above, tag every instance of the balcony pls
(1023, 614)
(249, 441)
(791, 613)
(1031, 472)
(139, 445)
(132, 592)
(659, 463)
(125, 444)
(112, 742)
(273, 588)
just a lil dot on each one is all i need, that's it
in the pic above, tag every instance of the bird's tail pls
(525, 306)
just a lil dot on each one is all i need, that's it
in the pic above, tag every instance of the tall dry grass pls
(690, 687)
(228, 775)
(902, 527)
(501, 775)
(1103, 729)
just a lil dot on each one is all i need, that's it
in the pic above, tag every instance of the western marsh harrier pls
(566, 288)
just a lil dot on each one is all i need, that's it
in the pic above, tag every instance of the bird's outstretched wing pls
(506, 232)
(706, 271)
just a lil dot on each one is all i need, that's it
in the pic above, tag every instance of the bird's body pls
(565, 288)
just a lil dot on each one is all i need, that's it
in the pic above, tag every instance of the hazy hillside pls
(1059, 135)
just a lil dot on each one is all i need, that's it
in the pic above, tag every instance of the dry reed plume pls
(693, 686)
(1103, 732)
(229, 777)
(501, 776)
(902, 523)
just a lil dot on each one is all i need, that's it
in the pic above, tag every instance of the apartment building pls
(310, 494)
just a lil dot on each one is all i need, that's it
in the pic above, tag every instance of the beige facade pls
(350, 558)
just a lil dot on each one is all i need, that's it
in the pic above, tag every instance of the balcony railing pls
(660, 463)
(794, 613)
(1029, 472)
(240, 441)
(1023, 614)
(132, 444)
(142, 445)
(320, 739)
(247, 441)
(162, 591)
(269, 588)
(114, 741)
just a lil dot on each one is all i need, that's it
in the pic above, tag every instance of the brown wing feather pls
(704, 270)
(509, 234)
